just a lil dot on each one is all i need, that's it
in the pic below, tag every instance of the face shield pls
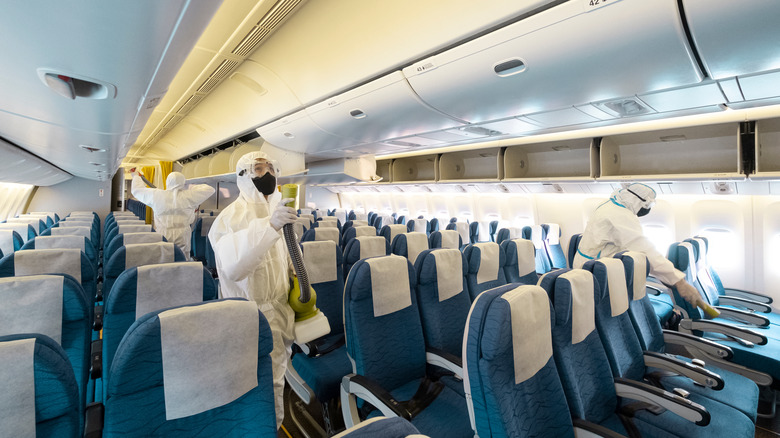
(263, 175)
(645, 194)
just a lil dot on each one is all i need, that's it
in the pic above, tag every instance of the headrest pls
(639, 278)
(364, 231)
(299, 229)
(7, 241)
(321, 234)
(615, 284)
(321, 261)
(306, 211)
(450, 239)
(142, 237)
(34, 221)
(372, 246)
(17, 402)
(463, 230)
(22, 229)
(327, 224)
(360, 223)
(420, 225)
(394, 230)
(553, 234)
(526, 258)
(82, 212)
(124, 229)
(575, 302)
(341, 215)
(686, 259)
(361, 217)
(389, 284)
(537, 236)
(205, 224)
(449, 272)
(195, 341)
(701, 258)
(65, 241)
(387, 219)
(531, 330)
(32, 304)
(75, 223)
(71, 231)
(309, 216)
(48, 261)
(139, 254)
(415, 244)
(489, 259)
(167, 285)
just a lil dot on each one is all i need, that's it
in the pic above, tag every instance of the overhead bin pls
(384, 108)
(700, 152)
(299, 133)
(473, 165)
(420, 168)
(569, 55)
(220, 162)
(570, 160)
(767, 150)
(735, 38)
(384, 169)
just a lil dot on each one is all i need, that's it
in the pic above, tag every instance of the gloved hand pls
(283, 215)
(692, 295)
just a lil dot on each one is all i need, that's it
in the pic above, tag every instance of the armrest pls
(444, 360)
(741, 293)
(710, 347)
(297, 384)
(696, 373)
(683, 407)
(96, 359)
(322, 345)
(373, 393)
(743, 317)
(739, 334)
(97, 321)
(653, 289)
(746, 303)
(593, 428)
(93, 420)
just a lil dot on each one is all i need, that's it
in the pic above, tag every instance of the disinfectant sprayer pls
(310, 323)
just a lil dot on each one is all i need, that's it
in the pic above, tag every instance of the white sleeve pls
(241, 251)
(141, 192)
(198, 193)
(629, 236)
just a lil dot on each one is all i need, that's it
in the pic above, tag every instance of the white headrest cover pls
(65, 241)
(489, 261)
(359, 223)
(415, 244)
(306, 211)
(320, 260)
(365, 231)
(22, 229)
(526, 258)
(139, 254)
(327, 224)
(531, 330)
(7, 241)
(420, 225)
(124, 229)
(72, 231)
(554, 234)
(361, 217)
(616, 279)
(341, 215)
(515, 232)
(142, 237)
(66, 223)
(206, 223)
(691, 272)
(701, 261)
(640, 274)
(130, 221)
(372, 246)
(536, 236)
(389, 284)
(168, 285)
(196, 341)
(449, 239)
(17, 401)
(321, 234)
(387, 220)
(83, 213)
(48, 261)
(329, 219)
(32, 304)
(396, 230)
(34, 221)
(449, 272)
(310, 217)
(463, 230)
(583, 310)
(298, 227)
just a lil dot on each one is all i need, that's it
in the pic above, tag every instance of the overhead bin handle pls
(509, 67)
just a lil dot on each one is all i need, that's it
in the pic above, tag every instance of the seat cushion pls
(323, 373)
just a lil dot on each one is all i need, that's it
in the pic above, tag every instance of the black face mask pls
(265, 184)
(642, 212)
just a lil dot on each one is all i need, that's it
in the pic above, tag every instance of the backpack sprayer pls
(310, 323)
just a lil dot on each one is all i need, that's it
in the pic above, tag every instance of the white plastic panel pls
(571, 57)
(767, 149)
(382, 109)
(684, 98)
(562, 117)
(299, 133)
(760, 86)
(735, 38)
(18, 166)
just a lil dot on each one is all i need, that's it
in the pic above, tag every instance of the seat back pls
(25, 231)
(10, 241)
(409, 245)
(319, 234)
(381, 427)
(502, 235)
(47, 219)
(382, 220)
(67, 261)
(646, 325)
(463, 230)
(309, 217)
(357, 231)
(94, 230)
(419, 226)
(37, 224)
(446, 239)
(433, 225)
(574, 243)
(120, 240)
(361, 248)
(390, 231)
(39, 393)
(706, 284)
(520, 261)
(683, 257)
(475, 233)
(341, 215)
(124, 229)
(327, 221)
(511, 381)
(155, 388)
(65, 241)
(325, 267)
(443, 298)
(537, 237)
(382, 322)
(138, 254)
(301, 226)
(200, 233)
(552, 244)
(71, 231)
(493, 230)
(486, 263)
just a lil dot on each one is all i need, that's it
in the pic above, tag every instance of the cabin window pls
(723, 248)
(660, 235)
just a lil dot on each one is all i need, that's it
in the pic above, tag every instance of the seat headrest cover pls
(389, 284)
(616, 285)
(463, 230)
(65, 223)
(168, 285)
(361, 217)
(489, 261)
(449, 239)
(69, 231)
(139, 254)
(415, 244)
(32, 304)
(327, 224)
(299, 229)
(7, 241)
(306, 211)
(531, 330)
(583, 310)
(687, 261)
(310, 217)
(449, 272)
(387, 219)
(142, 237)
(301, 220)
(21, 229)
(372, 246)
(48, 261)
(395, 230)
(364, 230)
(640, 274)
(206, 223)
(64, 241)
(553, 234)
(537, 234)
(702, 249)
(420, 225)
(197, 340)
(17, 401)
(526, 259)
(359, 223)
(326, 233)
(320, 260)
(124, 229)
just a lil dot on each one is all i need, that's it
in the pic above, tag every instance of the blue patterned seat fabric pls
(474, 259)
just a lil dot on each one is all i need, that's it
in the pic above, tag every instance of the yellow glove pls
(691, 295)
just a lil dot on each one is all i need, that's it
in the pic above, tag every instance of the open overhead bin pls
(767, 150)
(569, 55)
(472, 165)
(299, 133)
(570, 160)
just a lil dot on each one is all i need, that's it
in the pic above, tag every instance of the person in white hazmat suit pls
(252, 257)
(174, 207)
(615, 227)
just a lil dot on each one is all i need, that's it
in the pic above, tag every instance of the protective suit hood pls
(632, 201)
(175, 180)
(246, 187)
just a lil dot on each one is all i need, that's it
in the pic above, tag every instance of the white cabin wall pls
(74, 194)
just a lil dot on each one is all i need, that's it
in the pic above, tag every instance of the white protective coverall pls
(615, 227)
(253, 262)
(174, 207)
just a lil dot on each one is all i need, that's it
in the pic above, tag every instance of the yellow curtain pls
(167, 168)
(149, 174)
